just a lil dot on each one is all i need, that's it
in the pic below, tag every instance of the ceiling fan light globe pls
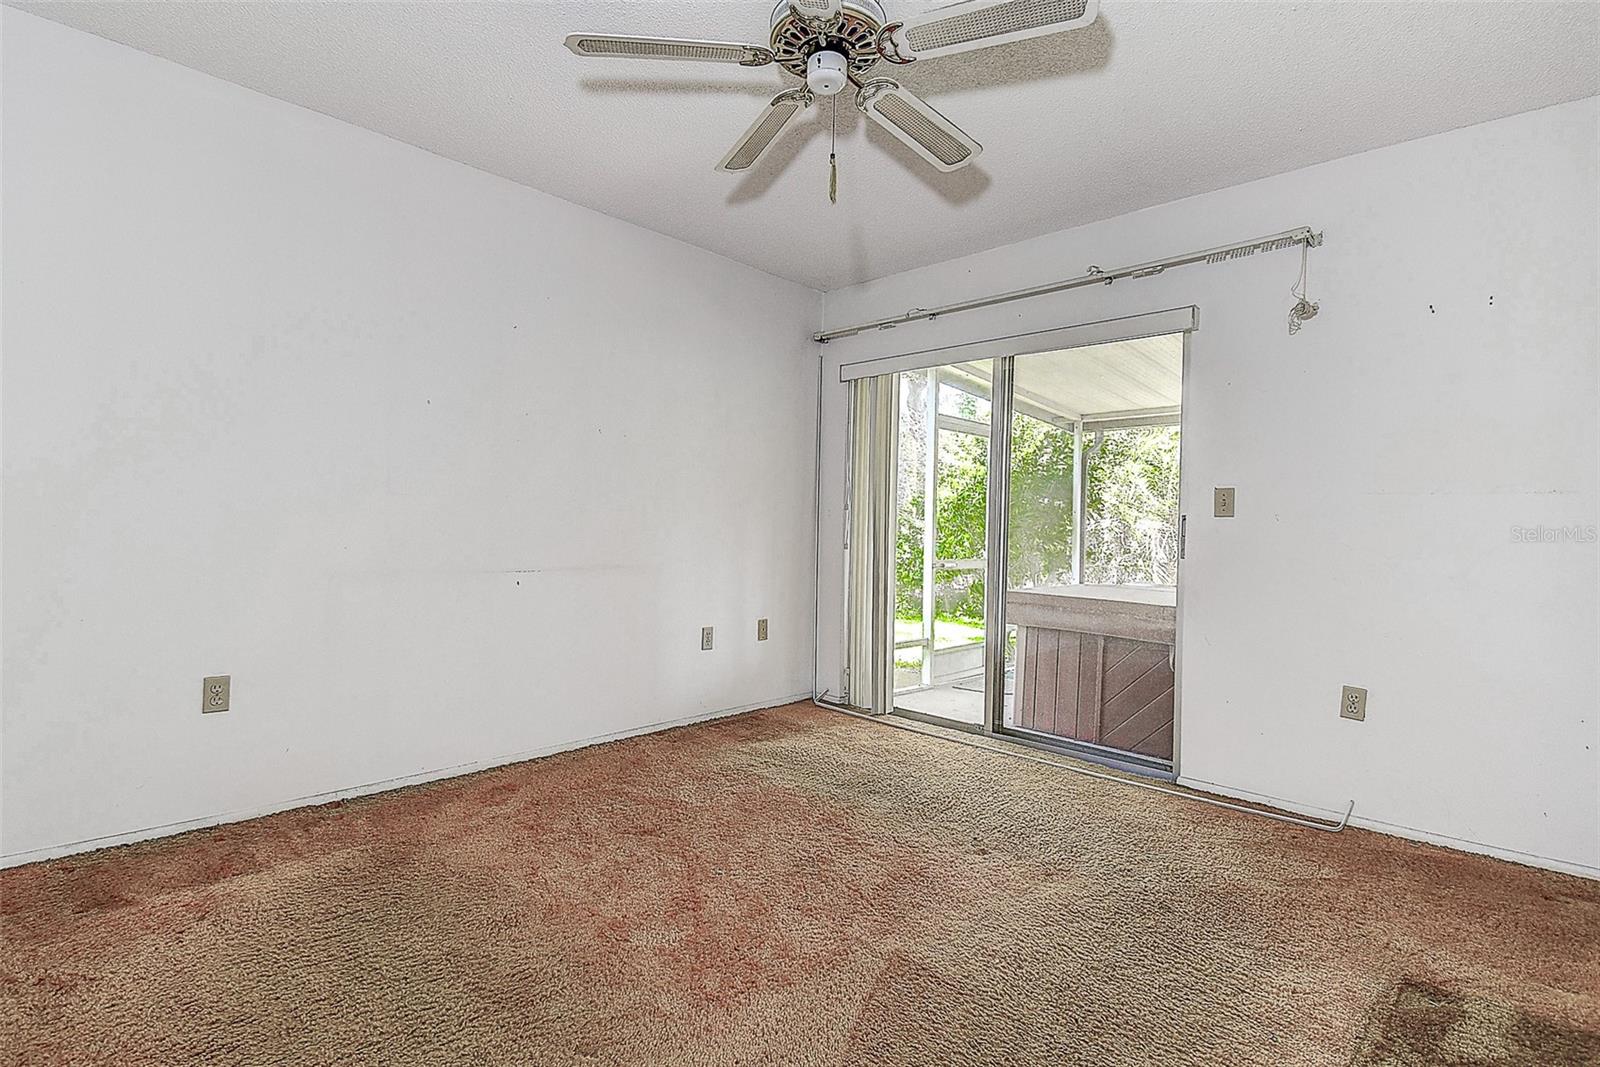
(826, 72)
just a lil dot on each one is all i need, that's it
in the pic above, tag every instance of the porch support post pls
(1080, 500)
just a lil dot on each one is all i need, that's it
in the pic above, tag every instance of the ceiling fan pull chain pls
(833, 158)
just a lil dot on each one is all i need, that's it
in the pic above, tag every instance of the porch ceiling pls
(1123, 378)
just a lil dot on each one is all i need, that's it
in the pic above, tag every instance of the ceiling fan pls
(834, 43)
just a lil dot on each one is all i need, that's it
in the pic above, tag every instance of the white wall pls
(1382, 458)
(444, 471)
(440, 469)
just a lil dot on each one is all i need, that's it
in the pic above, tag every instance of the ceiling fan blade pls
(972, 24)
(618, 46)
(914, 121)
(774, 118)
(817, 12)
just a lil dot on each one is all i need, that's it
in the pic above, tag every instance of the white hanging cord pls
(1303, 308)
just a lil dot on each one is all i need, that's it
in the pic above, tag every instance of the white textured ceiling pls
(1155, 101)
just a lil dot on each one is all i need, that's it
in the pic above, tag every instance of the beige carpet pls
(792, 887)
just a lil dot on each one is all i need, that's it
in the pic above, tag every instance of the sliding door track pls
(935, 720)
(1136, 783)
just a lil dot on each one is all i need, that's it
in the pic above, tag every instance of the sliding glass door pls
(1092, 547)
(1015, 546)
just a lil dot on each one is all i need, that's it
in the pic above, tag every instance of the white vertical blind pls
(870, 546)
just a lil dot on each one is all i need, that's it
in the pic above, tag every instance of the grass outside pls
(948, 631)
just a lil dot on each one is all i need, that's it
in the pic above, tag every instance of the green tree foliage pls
(1131, 523)
(1133, 507)
(908, 559)
(1042, 489)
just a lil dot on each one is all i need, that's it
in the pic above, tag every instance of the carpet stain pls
(1420, 1025)
(792, 887)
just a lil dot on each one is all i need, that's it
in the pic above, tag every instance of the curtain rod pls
(1303, 235)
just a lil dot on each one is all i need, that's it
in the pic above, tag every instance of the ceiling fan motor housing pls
(853, 35)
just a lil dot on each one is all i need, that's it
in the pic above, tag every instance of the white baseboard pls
(1460, 844)
(50, 852)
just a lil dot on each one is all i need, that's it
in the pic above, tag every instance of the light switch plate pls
(1223, 500)
(215, 693)
(761, 629)
(1353, 703)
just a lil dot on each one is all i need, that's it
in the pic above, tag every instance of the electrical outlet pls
(1353, 703)
(761, 629)
(1223, 501)
(214, 693)
(705, 639)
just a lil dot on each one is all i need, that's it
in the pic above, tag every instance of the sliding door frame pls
(1002, 407)
(996, 524)
(1183, 545)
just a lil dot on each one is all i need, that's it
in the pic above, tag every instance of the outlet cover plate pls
(761, 629)
(215, 693)
(1223, 501)
(1353, 703)
(705, 639)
